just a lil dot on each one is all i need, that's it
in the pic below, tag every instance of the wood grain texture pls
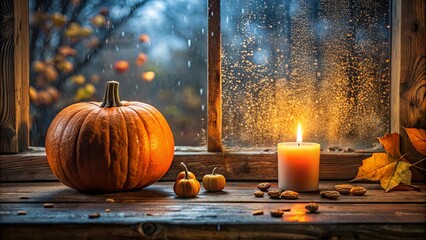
(409, 73)
(235, 192)
(154, 213)
(211, 213)
(214, 91)
(153, 230)
(247, 166)
(14, 77)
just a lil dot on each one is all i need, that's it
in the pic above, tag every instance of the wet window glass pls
(155, 49)
(324, 63)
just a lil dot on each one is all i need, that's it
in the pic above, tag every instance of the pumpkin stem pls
(214, 169)
(186, 170)
(111, 97)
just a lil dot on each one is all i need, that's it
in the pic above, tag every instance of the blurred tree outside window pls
(322, 62)
(155, 49)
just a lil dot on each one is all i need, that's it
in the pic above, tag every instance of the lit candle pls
(298, 165)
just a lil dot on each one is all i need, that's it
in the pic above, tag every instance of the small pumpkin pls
(214, 182)
(181, 175)
(186, 187)
(109, 146)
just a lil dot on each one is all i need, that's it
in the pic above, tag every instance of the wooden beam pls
(214, 99)
(408, 102)
(237, 166)
(14, 77)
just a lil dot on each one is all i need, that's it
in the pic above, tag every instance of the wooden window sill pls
(242, 165)
(245, 165)
(155, 212)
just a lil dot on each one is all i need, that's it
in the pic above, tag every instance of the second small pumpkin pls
(214, 182)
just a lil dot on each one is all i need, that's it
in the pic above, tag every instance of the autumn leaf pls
(397, 172)
(390, 143)
(374, 167)
(382, 166)
(418, 139)
(405, 187)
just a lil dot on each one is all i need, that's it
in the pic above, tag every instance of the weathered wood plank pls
(235, 192)
(33, 166)
(211, 213)
(14, 77)
(214, 99)
(408, 101)
(213, 231)
(154, 213)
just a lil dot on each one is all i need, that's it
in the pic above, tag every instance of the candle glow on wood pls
(298, 165)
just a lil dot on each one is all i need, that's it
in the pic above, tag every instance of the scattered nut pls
(274, 193)
(24, 197)
(344, 189)
(289, 194)
(285, 209)
(330, 194)
(358, 191)
(277, 213)
(257, 212)
(94, 215)
(312, 207)
(110, 200)
(22, 212)
(107, 210)
(48, 205)
(258, 193)
(263, 186)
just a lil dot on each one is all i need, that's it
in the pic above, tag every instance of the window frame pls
(408, 26)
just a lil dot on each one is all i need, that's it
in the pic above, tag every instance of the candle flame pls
(299, 134)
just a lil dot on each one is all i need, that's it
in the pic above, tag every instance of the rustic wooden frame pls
(14, 77)
(408, 66)
(214, 76)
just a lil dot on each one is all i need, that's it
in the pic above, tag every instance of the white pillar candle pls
(298, 165)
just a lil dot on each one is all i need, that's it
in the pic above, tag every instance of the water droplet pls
(189, 42)
(189, 64)
(201, 91)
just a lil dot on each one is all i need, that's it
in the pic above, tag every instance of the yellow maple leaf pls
(396, 173)
(390, 168)
(383, 167)
(374, 167)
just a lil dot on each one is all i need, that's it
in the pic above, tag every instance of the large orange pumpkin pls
(109, 146)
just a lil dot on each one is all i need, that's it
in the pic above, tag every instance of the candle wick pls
(298, 144)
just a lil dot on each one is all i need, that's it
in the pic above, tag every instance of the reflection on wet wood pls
(156, 213)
